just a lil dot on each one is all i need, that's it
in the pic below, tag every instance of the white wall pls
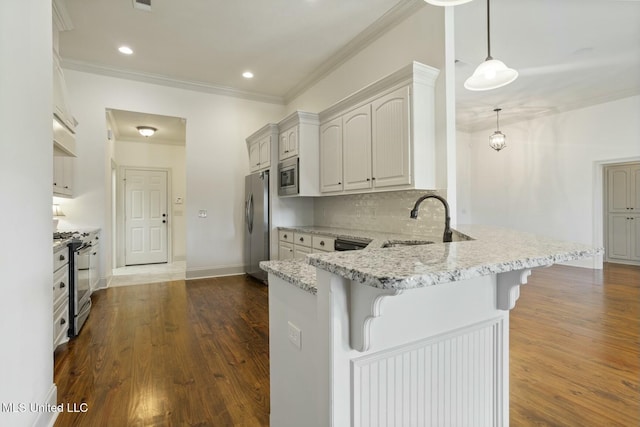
(421, 38)
(216, 161)
(548, 179)
(165, 156)
(26, 262)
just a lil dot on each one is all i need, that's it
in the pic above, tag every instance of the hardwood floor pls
(170, 354)
(196, 354)
(575, 348)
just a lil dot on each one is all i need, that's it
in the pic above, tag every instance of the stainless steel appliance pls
(351, 244)
(288, 177)
(256, 220)
(80, 251)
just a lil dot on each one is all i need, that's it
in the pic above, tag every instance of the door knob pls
(164, 214)
(164, 221)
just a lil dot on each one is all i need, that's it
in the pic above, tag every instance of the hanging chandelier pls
(498, 140)
(492, 73)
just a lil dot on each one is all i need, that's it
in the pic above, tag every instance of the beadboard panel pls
(445, 381)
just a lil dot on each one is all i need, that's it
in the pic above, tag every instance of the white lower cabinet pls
(295, 245)
(60, 296)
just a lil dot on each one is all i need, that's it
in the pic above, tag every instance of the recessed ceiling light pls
(125, 50)
(247, 75)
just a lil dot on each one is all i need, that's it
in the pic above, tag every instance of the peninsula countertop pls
(492, 250)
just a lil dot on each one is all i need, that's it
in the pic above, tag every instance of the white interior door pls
(146, 216)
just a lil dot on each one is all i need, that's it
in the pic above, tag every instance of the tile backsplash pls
(385, 212)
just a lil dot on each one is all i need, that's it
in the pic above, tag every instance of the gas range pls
(77, 238)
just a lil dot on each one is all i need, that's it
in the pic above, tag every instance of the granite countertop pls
(57, 244)
(296, 272)
(492, 250)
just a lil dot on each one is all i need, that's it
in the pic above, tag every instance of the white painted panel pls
(444, 381)
(619, 236)
(619, 181)
(357, 148)
(331, 156)
(137, 205)
(155, 239)
(155, 205)
(136, 241)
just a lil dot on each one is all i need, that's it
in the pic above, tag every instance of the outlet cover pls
(295, 335)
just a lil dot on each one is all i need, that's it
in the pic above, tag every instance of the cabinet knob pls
(63, 321)
(368, 179)
(339, 183)
(66, 186)
(62, 285)
(285, 236)
(62, 258)
(302, 239)
(373, 179)
(290, 250)
(321, 242)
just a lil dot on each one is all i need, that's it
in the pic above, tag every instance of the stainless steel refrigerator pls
(256, 223)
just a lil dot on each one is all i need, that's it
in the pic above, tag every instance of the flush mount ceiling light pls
(447, 2)
(492, 73)
(146, 131)
(126, 50)
(498, 140)
(247, 75)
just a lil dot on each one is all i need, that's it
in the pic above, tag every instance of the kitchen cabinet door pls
(356, 148)
(285, 251)
(620, 236)
(331, 156)
(63, 176)
(265, 152)
(254, 157)
(623, 184)
(288, 144)
(300, 252)
(391, 139)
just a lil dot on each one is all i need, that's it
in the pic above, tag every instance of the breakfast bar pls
(401, 335)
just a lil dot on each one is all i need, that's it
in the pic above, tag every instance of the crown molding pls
(61, 18)
(168, 81)
(386, 22)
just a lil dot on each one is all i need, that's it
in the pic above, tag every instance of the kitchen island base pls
(429, 356)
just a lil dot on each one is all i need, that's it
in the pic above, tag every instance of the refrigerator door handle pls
(250, 213)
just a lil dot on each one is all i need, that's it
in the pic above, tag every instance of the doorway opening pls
(149, 187)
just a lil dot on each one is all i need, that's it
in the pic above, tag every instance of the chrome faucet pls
(447, 228)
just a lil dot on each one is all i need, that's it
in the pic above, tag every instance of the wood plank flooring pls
(575, 348)
(196, 354)
(170, 354)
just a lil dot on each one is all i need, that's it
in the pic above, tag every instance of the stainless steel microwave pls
(288, 177)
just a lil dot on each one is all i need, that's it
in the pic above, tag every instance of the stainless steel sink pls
(398, 243)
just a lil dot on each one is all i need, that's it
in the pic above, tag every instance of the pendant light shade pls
(447, 2)
(498, 140)
(492, 73)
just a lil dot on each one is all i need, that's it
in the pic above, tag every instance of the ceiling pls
(170, 130)
(570, 53)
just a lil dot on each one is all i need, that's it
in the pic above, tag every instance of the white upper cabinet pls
(331, 156)
(299, 134)
(356, 148)
(386, 133)
(288, 144)
(64, 124)
(391, 145)
(259, 147)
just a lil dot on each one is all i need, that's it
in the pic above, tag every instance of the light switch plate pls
(295, 335)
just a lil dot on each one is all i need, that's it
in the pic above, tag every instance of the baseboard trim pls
(206, 272)
(48, 418)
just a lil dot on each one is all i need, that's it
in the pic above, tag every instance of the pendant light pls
(146, 131)
(492, 73)
(447, 2)
(498, 140)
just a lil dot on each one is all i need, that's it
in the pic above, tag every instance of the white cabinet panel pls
(285, 251)
(390, 139)
(331, 156)
(356, 145)
(259, 147)
(619, 236)
(288, 145)
(63, 176)
(300, 252)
